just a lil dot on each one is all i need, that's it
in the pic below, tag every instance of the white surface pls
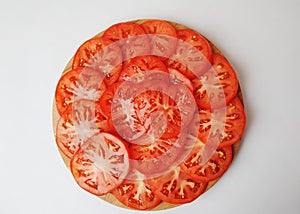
(261, 38)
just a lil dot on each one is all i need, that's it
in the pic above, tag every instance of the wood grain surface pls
(109, 197)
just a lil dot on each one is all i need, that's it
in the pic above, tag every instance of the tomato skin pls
(135, 192)
(101, 164)
(221, 74)
(131, 38)
(102, 55)
(211, 170)
(142, 64)
(78, 84)
(80, 121)
(163, 38)
(193, 54)
(234, 123)
(177, 187)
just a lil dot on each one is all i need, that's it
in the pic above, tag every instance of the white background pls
(261, 38)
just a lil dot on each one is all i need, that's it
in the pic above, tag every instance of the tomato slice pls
(216, 87)
(78, 84)
(229, 129)
(158, 156)
(177, 187)
(79, 122)
(142, 64)
(135, 192)
(152, 99)
(101, 164)
(107, 98)
(116, 102)
(185, 101)
(179, 78)
(134, 117)
(131, 37)
(193, 54)
(211, 170)
(197, 40)
(163, 38)
(102, 55)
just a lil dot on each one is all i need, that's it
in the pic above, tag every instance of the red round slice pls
(134, 116)
(130, 37)
(211, 170)
(233, 125)
(102, 55)
(78, 84)
(158, 156)
(107, 99)
(196, 40)
(178, 78)
(135, 192)
(79, 122)
(177, 187)
(101, 164)
(193, 54)
(185, 101)
(216, 87)
(141, 64)
(163, 37)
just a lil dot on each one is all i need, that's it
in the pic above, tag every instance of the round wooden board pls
(110, 197)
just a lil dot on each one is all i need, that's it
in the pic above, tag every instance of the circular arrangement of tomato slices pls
(148, 115)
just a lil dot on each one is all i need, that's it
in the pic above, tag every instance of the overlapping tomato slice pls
(196, 164)
(156, 155)
(80, 121)
(107, 99)
(134, 112)
(179, 78)
(131, 38)
(101, 164)
(177, 187)
(140, 65)
(102, 55)
(216, 87)
(163, 37)
(136, 192)
(193, 54)
(228, 129)
(83, 83)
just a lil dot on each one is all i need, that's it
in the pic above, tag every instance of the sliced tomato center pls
(177, 187)
(192, 56)
(79, 122)
(216, 87)
(163, 37)
(102, 55)
(208, 170)
(140, 65)
(101, 164)
(78, 84)
(228, 129)
(130, 37)
(135, 192)
(134, 118)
